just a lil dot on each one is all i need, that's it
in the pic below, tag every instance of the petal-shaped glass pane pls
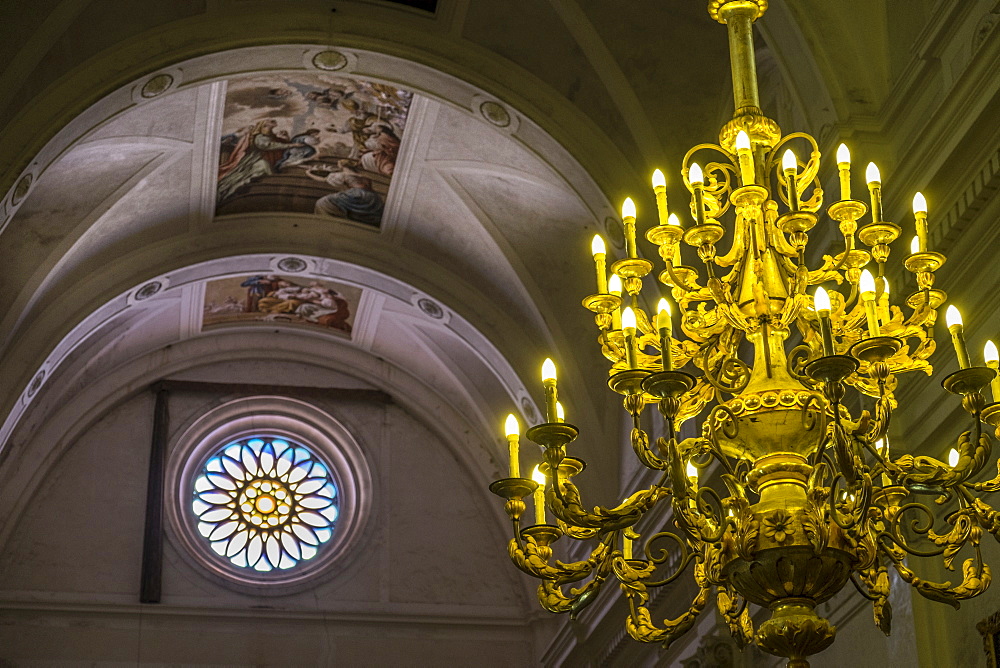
(310, 485)
(217, 515)
(314, 519)
(291, 544)
(237, 542)
(315, 502)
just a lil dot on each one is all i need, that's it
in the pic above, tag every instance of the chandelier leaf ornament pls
(813, 496)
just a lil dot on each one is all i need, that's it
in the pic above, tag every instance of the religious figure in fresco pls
(295, 156)
(253, 156)
(285, 139)
(382, 147)
(313, 303)
(355, 198)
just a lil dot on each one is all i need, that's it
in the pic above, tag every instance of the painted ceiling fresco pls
(270, 299)
(310, 144)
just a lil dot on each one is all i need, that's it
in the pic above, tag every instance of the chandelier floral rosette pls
(788, 490)
(265, 503)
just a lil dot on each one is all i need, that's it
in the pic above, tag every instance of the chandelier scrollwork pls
(813, 498)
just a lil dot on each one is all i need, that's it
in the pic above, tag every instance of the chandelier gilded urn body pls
(809, 496)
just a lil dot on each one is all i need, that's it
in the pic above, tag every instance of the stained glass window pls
(265, 503)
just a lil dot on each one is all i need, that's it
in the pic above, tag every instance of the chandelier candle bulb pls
(914, 245)
(954, 321)
(822, 303)
(539, 496)
(672, 219)
(993, 362)
(953, 458)
(745, 154)
(628, 218)
(692, 472)
(513, 430)
(615, 288)
(551, 392)
(920, 213)
(867, 287)
(875, 190)
(665, 327)
(844, 169)
(628, 327)
(599, 251)
(560, 412)
(660, 190)
(697, 180)
(789, 165)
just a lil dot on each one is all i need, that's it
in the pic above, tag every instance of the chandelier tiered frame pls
(813, 496)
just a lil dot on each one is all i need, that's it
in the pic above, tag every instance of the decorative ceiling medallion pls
(495, 113)
(148, 290)
(430, 308)
(528, 407)
(36, 383)
(616, 235)
(329, 60)
(22, 188)
(157, 85)
(292, 265)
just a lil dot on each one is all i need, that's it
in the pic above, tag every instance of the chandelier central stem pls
(739, 18)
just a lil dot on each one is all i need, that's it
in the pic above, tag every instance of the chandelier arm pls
(736, 613)
(686, 556)
(640, 625)
(893, 530)
(976, 577)
(862, 588)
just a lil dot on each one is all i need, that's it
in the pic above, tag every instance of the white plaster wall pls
(428, 584)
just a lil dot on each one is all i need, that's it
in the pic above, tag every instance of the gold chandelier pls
(813, 496)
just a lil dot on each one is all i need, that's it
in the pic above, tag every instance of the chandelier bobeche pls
(813, 495)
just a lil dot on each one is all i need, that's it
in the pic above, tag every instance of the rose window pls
(265, 503)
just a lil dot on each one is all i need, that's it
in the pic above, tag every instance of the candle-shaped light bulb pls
(628, 318)
(953, 319)
(599, 251)
(692, 471)
(697, 179)
(660, 190)
(628, 219)
(867, 287)
(672, 219)
(920, 213)
(789, 165)
(664, 326)
(560, 412)
(513, 431)
(875, 190)
(615, 288)
(744, 154)
(914, 245)
(551, 392)
(822, 300)
(844, 170)
(867, 282)
(843, 155)
(539, 497)
(953, 458)
(872, 174)
(990, 353)
(628, 328)
(695, 175)
(822, 303)
(511, 426)
(993, 361)
(548, 370)
(742, 141)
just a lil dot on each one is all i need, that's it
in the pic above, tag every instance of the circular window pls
(268, 492)
(265, 503)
